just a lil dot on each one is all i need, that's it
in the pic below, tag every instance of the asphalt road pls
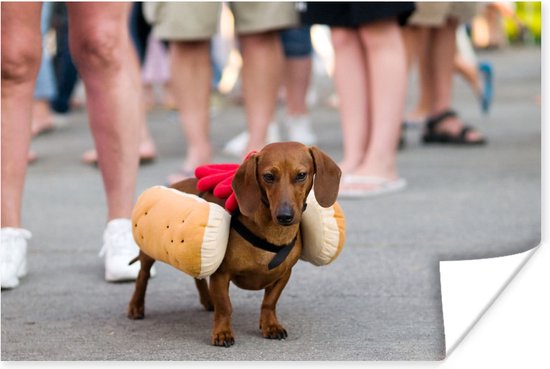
(380, 300)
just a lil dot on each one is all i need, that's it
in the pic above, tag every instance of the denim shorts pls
(296, 42)
(46, 85)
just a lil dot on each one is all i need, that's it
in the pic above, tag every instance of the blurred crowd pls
(133, 57)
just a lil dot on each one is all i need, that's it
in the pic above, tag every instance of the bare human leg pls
(296, 82)
(441, 53)
(103, 53)
(419, 38)
(350, 79)
(21, 52)
(387, 77)
(261, 75)
(191, 76)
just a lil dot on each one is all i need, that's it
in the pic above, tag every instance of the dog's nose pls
(285, 216)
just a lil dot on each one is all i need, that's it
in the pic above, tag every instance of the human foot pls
(13, 252)
(416, 117)
(31, 156)
(348, 166)
(195, 157)
(147, 153)
(42, 120)
(448, 128)
(181, 175)
(240, 145)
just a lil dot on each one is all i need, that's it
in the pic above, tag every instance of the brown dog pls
(271, 188)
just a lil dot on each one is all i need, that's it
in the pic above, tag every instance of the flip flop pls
(368, 186)
(487, 94)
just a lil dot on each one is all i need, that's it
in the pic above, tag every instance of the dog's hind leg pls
(136, 307)
(204, 294)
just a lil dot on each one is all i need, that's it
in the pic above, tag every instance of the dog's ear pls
(327, 177)
(246, 187)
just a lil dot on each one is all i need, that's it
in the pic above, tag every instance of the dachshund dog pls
(264, 244)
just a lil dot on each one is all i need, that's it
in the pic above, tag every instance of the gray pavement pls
(380, 300)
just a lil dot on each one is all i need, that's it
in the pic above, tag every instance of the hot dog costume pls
(191, 234)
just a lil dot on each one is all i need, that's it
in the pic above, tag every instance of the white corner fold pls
(469, 287)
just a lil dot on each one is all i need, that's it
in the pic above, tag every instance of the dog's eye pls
(300, 177)
(269, 178)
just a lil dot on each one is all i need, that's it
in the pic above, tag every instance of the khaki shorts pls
(434, 14)
(199, 20)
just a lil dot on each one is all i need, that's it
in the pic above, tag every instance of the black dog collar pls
(281, 251)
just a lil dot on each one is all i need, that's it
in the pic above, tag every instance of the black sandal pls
(432, 136)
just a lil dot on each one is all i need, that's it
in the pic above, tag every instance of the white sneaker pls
(299, 129)
(13, 255)
(119, 248)
(237, 144)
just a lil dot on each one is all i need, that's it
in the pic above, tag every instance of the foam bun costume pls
(191, 234)
(181, 229)
(323, 232)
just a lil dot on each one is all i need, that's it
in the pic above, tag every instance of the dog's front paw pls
(136, 311)
(273, 331)
(223, 338)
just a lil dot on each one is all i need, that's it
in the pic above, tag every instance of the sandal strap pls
(464, 131)
(434, 121)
